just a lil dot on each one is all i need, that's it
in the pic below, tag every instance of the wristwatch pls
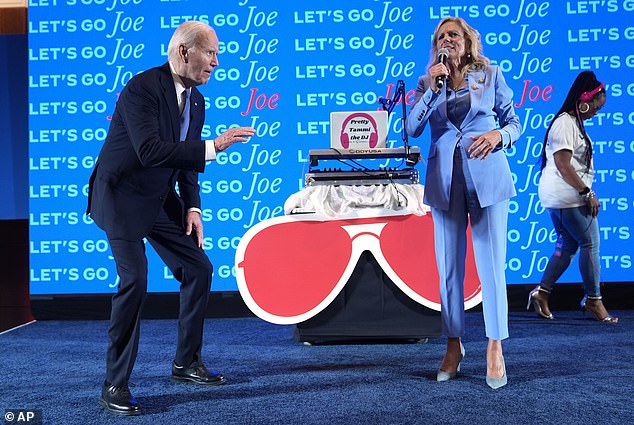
(585, 191)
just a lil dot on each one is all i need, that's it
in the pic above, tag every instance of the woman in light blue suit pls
(469, 108)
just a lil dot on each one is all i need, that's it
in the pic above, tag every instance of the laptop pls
(358, 130)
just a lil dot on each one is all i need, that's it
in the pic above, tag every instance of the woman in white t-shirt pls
(565, 191)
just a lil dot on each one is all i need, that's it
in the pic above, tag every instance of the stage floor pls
(570, 370)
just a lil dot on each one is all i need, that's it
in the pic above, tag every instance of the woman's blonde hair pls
(474, 59)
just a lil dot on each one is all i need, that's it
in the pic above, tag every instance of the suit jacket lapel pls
(442, 99)
(169, 96)
(475, 81)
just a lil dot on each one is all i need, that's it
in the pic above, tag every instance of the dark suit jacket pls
(142, 158)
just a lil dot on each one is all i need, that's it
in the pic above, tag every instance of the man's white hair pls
(187, 34)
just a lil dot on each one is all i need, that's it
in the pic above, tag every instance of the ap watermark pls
(23, 416)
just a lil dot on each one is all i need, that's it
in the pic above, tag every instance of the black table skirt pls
(370, 308)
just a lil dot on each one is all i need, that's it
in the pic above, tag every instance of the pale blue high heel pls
(496, 383)
(442, 376)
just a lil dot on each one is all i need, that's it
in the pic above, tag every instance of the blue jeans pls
(576, 231)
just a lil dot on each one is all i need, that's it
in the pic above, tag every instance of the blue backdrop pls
(284, 66)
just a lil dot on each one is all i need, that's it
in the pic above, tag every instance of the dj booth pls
(353, 258)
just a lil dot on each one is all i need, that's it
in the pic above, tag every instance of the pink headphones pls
(374, 137)
(586, 96)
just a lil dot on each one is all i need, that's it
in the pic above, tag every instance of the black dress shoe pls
(119, 400)
(197, 374)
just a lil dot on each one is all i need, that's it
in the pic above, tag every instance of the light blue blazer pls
(491, 107)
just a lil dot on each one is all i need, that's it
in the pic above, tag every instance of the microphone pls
(443, 54)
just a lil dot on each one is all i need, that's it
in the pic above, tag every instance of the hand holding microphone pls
(443, 54)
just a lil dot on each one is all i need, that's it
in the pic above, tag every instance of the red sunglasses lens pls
(290, 268)
(407, 244)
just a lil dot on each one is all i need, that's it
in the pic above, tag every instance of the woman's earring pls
(584, 107)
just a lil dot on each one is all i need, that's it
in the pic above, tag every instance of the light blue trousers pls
(489, 228)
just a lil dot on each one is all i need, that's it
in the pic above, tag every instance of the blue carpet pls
(569, 371)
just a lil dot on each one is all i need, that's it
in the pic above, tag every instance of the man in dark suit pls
(154, 142)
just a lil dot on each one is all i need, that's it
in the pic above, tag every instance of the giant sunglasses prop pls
(290, 268)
